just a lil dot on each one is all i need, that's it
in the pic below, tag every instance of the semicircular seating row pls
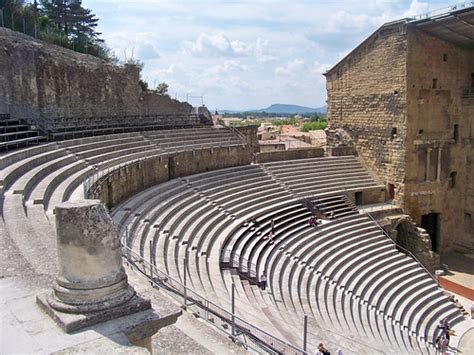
(190, 217)
(363, 293)
(36, 179)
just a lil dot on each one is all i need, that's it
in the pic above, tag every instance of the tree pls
(162, 89)
(76, 23)
(143, 84)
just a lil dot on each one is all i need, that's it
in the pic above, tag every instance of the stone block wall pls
(304, 153)
(341, 151)
(401, 97)
(250, 133)
(367, 98)
(438, 72)
(40, 78)
(126, 182)
(151, 103)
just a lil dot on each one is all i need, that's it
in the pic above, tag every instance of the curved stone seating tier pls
(35, 179)
(16, 133)
(344, 173)
(327, 271)
(71, 127)
(360, 291)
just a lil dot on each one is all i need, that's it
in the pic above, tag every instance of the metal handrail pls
(442, 11)
(346, 193)
(238, 133)
(163, 279)
(398, 246)
(51, 119)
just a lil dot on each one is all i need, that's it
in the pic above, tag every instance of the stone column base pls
(71, 322)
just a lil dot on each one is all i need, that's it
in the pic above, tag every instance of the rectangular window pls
(394, 133)
(452, 179)
(435, 83)
(445, 57)
(468, 223)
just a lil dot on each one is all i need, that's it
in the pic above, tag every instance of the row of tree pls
(263, 114)
(63, 22)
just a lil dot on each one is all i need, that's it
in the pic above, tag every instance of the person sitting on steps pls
(323, 350)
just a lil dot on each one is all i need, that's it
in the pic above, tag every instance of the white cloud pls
(416, 8)
(147, 51)
(230, 65)
(217, 45)
(292, 68)
(245, 53)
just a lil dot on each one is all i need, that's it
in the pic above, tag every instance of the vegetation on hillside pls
(63, 22)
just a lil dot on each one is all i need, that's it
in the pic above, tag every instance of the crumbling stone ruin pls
(37, 78)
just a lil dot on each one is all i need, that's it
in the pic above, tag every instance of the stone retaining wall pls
(40, 78)
(304, 153)
(126, 182)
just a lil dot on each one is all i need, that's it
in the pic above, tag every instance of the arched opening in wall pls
(430, 222)
(404, 237)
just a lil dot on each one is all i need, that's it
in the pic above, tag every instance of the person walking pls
(441, 345)
(444, 327)
(263, 280)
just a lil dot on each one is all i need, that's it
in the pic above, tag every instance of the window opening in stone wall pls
(396, 92)
(452, 179)
(445, 57)
(393, 134)
(420, 131)
(472, 81)
(468, 223)
(435, 84)
(456, 133)
(391, 191)
(430, 222)
(358, 197)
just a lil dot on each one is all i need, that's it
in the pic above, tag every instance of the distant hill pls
(282, 108)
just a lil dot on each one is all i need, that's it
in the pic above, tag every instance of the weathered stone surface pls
(91, 277)
(71, 322)
(39, 77)
(399, 95)
(303, 153)
(124, 183)
(92, 285)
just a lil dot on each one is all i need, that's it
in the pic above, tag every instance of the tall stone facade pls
(367, 98)
(406, 98)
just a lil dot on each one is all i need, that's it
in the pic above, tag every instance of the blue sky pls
(242, 54)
